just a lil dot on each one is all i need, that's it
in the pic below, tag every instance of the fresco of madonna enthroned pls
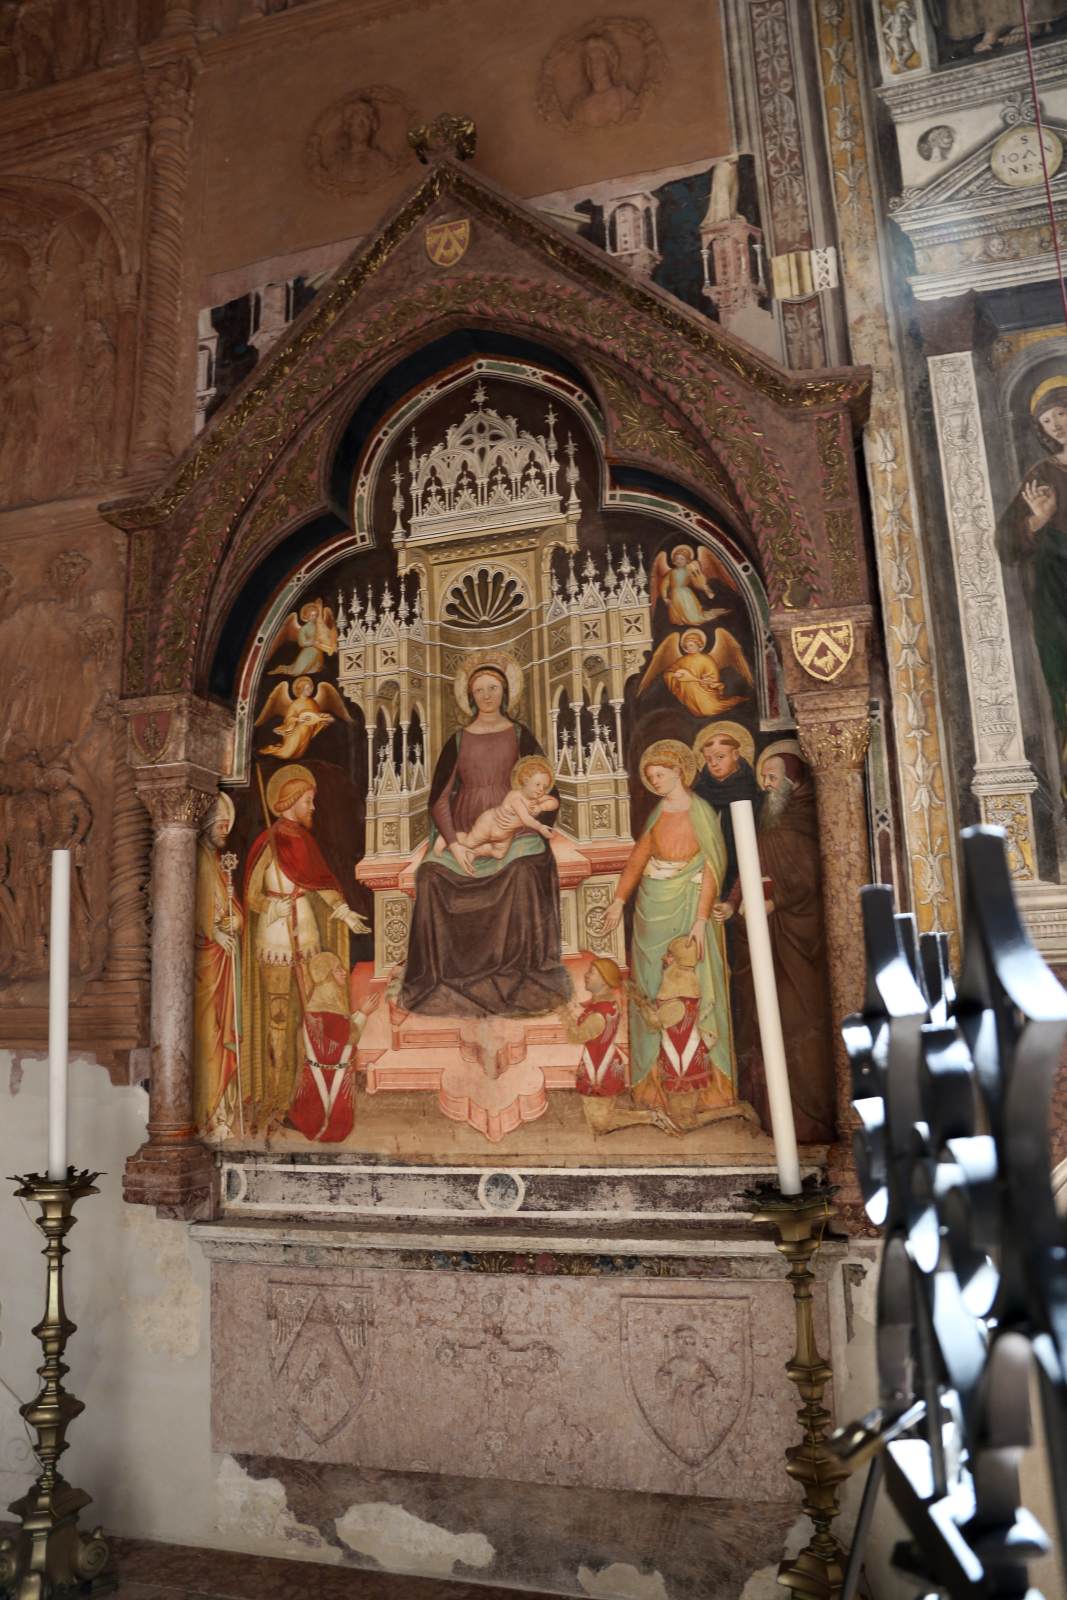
(474, 881)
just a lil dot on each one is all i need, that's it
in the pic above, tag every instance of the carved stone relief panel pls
(57, 632)
(59, 344)
(669, 1387)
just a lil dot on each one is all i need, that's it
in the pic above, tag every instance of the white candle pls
(770, 1020)
(58, 997)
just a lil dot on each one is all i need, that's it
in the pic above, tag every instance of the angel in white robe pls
(314, 631)
(682, 578)
(304, 714)
(694, 674)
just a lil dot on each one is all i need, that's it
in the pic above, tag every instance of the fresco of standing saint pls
(681, 1045)
(295, 909)
(1032, 535)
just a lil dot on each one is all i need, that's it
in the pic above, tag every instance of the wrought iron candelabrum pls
(49, 1557)
(952, 1084)
(800, 1221)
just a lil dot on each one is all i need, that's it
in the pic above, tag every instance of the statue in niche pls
(899, 32)
(96, 391)
(722, 202)
(1032, 535)
(993, 22)
(601, 75)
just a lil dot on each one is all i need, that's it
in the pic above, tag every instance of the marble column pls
(173, 1171)
(177, 746)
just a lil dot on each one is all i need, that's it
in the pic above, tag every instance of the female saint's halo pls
(498, 659)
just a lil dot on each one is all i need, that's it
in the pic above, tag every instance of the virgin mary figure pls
(485, 932)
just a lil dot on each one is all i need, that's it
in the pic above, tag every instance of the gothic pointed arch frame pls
(677, 402)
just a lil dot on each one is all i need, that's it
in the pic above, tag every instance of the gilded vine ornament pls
(641, 427)
(832, 458)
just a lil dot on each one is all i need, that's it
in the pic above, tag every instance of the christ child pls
(491, 833)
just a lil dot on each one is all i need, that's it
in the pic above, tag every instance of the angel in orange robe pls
(694, 674)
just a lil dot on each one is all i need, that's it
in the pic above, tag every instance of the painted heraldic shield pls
(446, 242)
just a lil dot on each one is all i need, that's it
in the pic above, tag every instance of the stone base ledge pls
(180, 1181)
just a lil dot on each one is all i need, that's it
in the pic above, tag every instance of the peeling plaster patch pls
(763, 1584)
(256, 1509)
(14, 1082)
(400, 1542)
(168, 1321)
(621, 1581)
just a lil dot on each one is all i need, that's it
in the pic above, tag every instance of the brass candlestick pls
(800, 1222)
(50, 1557)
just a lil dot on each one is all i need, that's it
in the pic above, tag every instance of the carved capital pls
(177, 799)
(169, 87)
(836, 745)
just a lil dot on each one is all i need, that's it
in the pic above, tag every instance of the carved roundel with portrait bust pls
(359, 142)
(602, 74)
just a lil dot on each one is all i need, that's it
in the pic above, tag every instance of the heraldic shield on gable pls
(320, 1354)
(824, 649)
(688, 1369)
(446, 242)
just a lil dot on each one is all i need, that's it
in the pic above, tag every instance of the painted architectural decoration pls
(694, 231)
(975, 246)
(475, 863)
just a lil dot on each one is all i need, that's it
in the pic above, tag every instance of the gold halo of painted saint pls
(601, 74)
(359, 142)
(729, 730)
(673, 753)
(780, 747)
(504, 664)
